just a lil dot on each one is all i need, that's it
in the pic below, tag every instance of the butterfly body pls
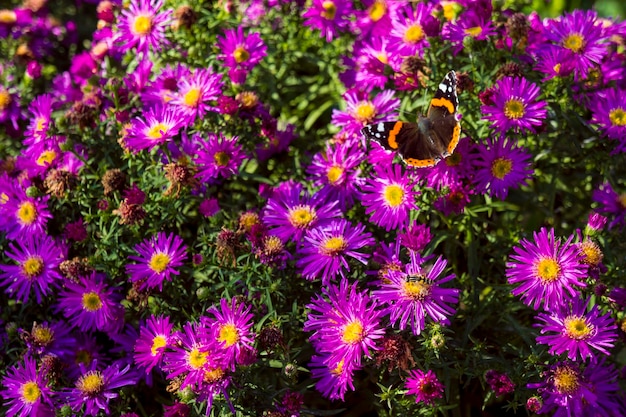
(432, 137)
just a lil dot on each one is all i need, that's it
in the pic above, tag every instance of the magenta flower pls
(158, 125)
(547, 271)
(329, 16)
(334, 377)
(425, 386)
(411, 28)
(609, 112)
(142, 26)
(159, 258)
(612, 204)
(155, 335)
(241, 51)
(26, 390)
(197, 94)
(361, 111)
(217, 156)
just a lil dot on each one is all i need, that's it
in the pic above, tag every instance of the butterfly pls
(434, 136)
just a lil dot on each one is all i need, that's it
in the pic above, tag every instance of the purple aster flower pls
(241, 51)
(582, 36)
(454, 199)
(515, 106)
(159, 258)
(95, 388)
(48, 339)
(329, 16)
(326, 249)
(334, 377)
(575, 328)
(217, 156)
(410, 29)
(25, 216)
(499, 382)
(38, 259)
(158, 125)
(412, 295)
(424, 385)
(612, 204)
(209, 207)
(471, 25)
(547, 270)
(345, 322)
(9, 107)
(553, 62)
(196, 92)
(155, 335)
(361, 111)
(377, 19)
(165, 86)
(373, 59)
(595, 223)
(500, 166)
(231, 328)
(454, 169)
(40, 110)
(90, 304)
(609, 112)
(85, 353)
(142, 26)
(389, 197)
(337, 171)
(290, 212)
(26, 390)
(416, 237)
(574, 392)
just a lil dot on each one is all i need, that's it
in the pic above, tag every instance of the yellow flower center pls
(4, 198)
(43, 335)
(27, 213)
(548, 270)
(142, 25)
(577, 328)
(330, 9)
(501, 167)
(8, 17)
(618, 117)
(240, 54)
(249, 219)
(32, 266)
(338, 369)
(157, 131)
(91, 383)
(365, 112)
(333, 245)
(192, 97)
(158, 343)
(393, 195)
(449, 9)
(353, 332)
(454, 160)
(621, 199)
(83, 356)
(514, 109)
(334, 174)
(592, 255)
(213, 375)
(382, 57)
(248, 99)
(417, 290)
(302, 216)
(557, 68)
(228, 335)
(377, 10)
(196, 359)
(5, 99)
(92, 301)
(414, 34)
(40, 123)
(159, 262)
(221, 158)
(474, 32)
(46, 158)
(566, 380)
(273, 244)
(574, 42)
(30, 392)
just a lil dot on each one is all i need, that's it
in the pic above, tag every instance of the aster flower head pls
(48, 338)
(361, 111)
(575, 328)
(90, 304)
(572, 391)
(609, 112)
(425, 386)
(37, 270)
(612, 204)
(334, 377)
(218, 156)
(9, 107)
(346, 324)
(500, 166)
(231, 328)
(416, 237)
(159, 258)
(290, 212)
(410, 29)
(94, 388)
(327, 247)
(158, 125)
(329, 16)
(373, 59)
(377, 19)
(581, 36)
(546, 270)
(25, 215)
(155, 335)
(26, 390)
(337, 171)
(40, 110)
(499, 382)
(409, 297)
(389, 197)
(197, 92)
(472, 25)
(515, 106)
(141, 26)
(241, 51)
(164, 88)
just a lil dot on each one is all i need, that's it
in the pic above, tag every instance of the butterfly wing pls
(443, 127)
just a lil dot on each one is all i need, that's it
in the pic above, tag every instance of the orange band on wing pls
(443, 102)
(391, 140)
(421, 163)
(456, 134)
